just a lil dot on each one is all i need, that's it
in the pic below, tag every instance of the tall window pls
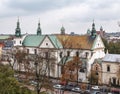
(35, 51)
(61, 54)
(96, 68)
(114, 81)
(108, 68)
(77, 54)
(68, 53)
(28, 51)
(46, 55)
(20, 42)
(86, 54)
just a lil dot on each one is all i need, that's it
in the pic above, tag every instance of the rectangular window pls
(35, 51)
(28, 51)
(108, 68)
(68, 53)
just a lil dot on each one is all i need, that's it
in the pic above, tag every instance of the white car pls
(58, 86)
(76, 89)
(96, 87)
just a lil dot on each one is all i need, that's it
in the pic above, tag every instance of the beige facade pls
(1, 46)
(111, 69)
(96, 69)
(110, 73)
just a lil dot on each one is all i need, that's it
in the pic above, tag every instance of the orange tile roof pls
(76, 41)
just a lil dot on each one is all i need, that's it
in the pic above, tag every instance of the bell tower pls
(39, 29)
(18, 30)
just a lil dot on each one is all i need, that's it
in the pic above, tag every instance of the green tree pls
(113, 48)
(8, 84)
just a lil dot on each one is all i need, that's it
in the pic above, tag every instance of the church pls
(63, 48)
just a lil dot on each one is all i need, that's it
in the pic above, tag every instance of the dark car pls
(87, 92)
(70, 86)
(95, 92)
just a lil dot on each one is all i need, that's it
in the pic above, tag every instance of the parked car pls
(95, 92)
(69, 86)
(76, 89)
(87, 92)
(58, 86)
(95, 87)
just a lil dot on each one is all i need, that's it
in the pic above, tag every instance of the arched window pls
(96, 67)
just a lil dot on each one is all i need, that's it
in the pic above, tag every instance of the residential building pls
(111, 69)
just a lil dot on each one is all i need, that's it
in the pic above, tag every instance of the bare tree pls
(43, 65)
(93, 77)
(69, 69)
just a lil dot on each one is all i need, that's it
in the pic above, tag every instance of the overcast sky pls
(75, 15)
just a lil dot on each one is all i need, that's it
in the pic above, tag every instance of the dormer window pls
(46, 44)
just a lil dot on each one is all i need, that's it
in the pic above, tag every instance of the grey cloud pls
(31, 7)
(98, 10)
(102, 11)
(40, 5)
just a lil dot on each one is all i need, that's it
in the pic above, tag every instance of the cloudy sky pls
(75, 15)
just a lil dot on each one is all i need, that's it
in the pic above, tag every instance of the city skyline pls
(75, 15)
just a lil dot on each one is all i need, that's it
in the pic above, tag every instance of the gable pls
(46, 43)
(98, 43)
(55, 41)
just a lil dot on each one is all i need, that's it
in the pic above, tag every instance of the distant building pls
(1, 46)
(101, 32)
